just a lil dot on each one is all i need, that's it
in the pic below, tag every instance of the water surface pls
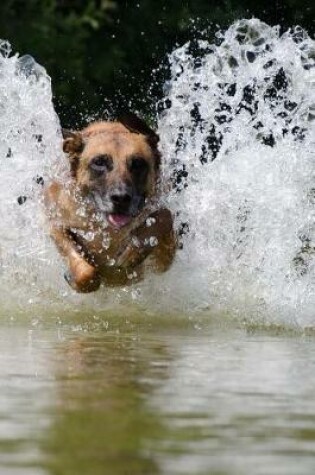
(139, 395)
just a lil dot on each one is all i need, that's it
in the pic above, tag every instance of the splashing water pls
(29, 145)
(237, 125)
(237, 136)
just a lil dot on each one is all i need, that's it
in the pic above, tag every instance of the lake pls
(138, 394)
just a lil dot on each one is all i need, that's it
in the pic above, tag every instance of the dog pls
(106, 220)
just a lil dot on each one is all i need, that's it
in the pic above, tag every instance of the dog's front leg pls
(164, 252)
(155, 237)
(81, 276)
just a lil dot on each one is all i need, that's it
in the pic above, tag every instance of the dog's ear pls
(138, 126)
(72, 142)
(73, 145)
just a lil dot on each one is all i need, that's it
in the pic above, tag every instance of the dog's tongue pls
(119, 220)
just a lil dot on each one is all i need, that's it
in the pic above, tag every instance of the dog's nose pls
(121, 199)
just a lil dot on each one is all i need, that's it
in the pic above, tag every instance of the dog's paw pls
(83, 279)
(131, 254)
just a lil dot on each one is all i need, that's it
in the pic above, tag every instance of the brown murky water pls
(138, 395)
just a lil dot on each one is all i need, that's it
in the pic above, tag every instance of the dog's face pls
(117, 164)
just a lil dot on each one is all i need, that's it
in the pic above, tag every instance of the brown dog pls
(105, 221)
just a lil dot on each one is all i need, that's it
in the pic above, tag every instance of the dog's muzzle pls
(120, 205)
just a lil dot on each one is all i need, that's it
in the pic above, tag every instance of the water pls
(210, 367)
(238, 119)
(155, 398)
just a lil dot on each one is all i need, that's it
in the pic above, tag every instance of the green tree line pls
(100, 54)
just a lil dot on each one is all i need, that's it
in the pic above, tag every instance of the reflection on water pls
(154, 398)
(27, 391)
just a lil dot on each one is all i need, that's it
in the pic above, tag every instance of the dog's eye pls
(138, 165)
(101, 163)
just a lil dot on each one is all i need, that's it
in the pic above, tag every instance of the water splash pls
(28, 142)
(237, 125)
(237, 133)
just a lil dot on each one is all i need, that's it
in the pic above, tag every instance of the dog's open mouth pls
(118, 220)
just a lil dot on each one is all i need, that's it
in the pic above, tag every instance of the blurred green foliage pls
(101, 53)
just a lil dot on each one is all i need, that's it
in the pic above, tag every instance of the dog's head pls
(117, 163)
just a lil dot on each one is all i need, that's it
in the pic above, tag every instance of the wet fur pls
(94, 250)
